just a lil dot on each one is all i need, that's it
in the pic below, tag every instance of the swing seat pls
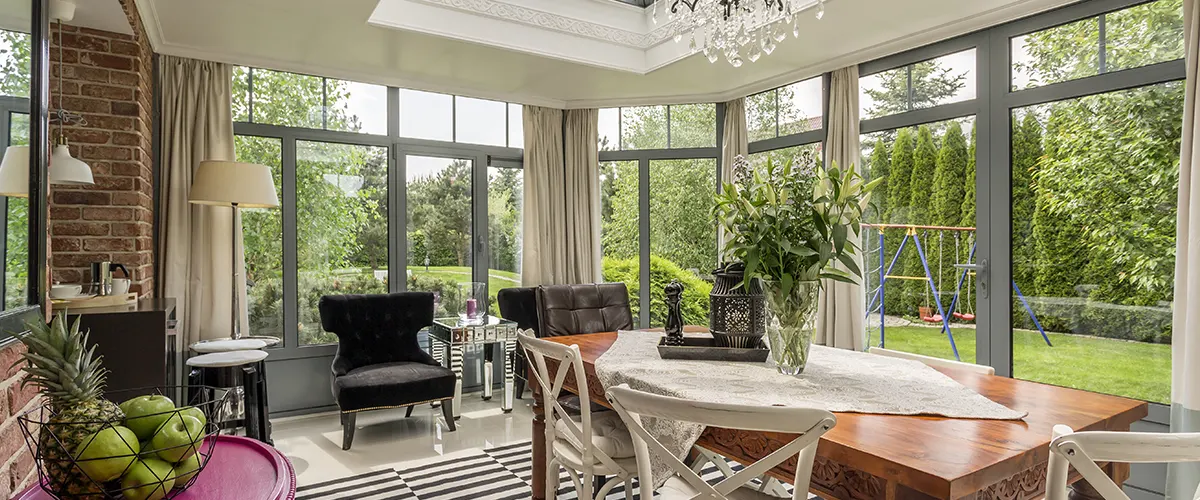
(936, 318)
(964, 316)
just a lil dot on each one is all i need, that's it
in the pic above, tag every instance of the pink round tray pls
(240, 468)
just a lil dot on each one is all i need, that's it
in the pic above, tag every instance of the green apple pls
(186, 469)
(144, 414)
(148, 479)
(178, 438)
(106, 453)
(194, 412)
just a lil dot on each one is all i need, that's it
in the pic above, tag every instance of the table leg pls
(510, 348)
(539, 442)
(250, 402)
(435, 350)
(488, 355)
(456, 362)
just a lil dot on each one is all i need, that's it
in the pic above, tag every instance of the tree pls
(1026, 153)
(968, 203)
(901, 173)
(920, 187)
(880, 164)
(946, 201)
(931, 85)
(15, 57)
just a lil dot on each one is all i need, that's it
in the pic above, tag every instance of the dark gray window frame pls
(992, 108)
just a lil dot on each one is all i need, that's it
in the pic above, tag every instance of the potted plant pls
(788, 225)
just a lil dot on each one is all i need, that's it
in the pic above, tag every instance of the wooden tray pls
(705, 349)
(98, 301)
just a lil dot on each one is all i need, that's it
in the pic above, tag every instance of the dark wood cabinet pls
(140, 345)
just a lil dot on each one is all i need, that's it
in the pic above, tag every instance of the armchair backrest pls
(374, 329)
(520, 305)
(578, 309)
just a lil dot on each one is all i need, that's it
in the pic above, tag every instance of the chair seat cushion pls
(678, 489)
(609, 434)
(392, 384)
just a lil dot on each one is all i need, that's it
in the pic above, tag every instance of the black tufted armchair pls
(519, 305)
(578, 309)
(379, 363)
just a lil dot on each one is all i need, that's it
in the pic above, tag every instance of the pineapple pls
(59, 362)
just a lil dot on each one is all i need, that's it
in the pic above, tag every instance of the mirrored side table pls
(452, 336)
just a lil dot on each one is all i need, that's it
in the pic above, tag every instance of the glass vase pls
(791, 324)
(474, 303)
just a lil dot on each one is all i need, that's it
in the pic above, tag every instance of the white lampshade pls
(65, 169)
(230, 182)
(14, 172)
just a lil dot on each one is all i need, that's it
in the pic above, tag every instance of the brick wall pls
(106, 78)
(16, 465)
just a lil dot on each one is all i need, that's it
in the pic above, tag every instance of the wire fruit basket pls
(158, 453)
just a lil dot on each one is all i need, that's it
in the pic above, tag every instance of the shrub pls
(693, 306)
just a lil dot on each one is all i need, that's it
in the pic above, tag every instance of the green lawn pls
(496, 279)
(1133, 369)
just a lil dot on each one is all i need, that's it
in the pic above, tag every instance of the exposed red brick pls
(87, 136)
(77, 260)
(8, 356)
(18, 397)
(79, 229)
(109, 245)
(66, 245)
(85, 104)
(131, 229)
(85, 42)
(106, 91)
(107, 213)
(107, 152)
(68, 275)
(84, 73)
(107, 61)
(71, 197)
(124, 78)
(127, 139)
(109, 122)
(125, 109)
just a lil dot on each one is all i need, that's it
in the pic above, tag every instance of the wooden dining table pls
(870, 456)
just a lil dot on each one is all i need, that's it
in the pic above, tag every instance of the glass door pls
(439, 211)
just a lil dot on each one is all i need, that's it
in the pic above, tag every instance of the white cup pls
(120, 286)
(65, 291)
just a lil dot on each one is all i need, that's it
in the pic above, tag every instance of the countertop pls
(166, 305)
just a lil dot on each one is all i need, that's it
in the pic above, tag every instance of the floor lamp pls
(235, 185)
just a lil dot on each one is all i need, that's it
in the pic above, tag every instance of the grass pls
(1133, 369)
(496, 279)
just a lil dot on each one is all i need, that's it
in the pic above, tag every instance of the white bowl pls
(65, 291)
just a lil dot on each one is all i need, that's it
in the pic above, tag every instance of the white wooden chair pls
(934, 362)
(809, 423)
(1082, 450)
(594, 445)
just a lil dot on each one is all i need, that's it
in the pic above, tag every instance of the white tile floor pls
(385, 438)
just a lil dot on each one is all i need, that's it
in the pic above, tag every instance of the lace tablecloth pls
(835, 379)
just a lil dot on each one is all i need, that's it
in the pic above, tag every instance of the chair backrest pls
(1082, 450)
(809, 423)
(374, 329)
(576, 309)
(520, 305)
(932, 361)
(569, 360)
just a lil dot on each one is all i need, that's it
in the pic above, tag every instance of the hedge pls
(694, 304)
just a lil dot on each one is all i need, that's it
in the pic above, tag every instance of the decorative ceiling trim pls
(506, 11)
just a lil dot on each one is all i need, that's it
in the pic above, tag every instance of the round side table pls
(238, 371)
(227, 345)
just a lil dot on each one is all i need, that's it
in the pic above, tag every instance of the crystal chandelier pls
(739, 30)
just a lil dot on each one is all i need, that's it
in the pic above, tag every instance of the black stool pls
(230, 371)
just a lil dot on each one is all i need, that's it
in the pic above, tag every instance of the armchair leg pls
(519, 387)
(448, 412)
(348, 429)
(408, 412)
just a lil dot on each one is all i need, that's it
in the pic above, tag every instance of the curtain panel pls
(561, 222)
(194, 263)
(842, 306)
(1183, 478)
(735, 143)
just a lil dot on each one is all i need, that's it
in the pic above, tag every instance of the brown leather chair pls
(578, 309)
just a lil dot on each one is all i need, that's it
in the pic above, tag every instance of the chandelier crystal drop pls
(737, 30)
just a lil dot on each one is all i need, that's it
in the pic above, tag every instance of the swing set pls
(967, 270)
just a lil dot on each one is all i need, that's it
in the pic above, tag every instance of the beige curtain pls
(1182, 479)
(735, 143)
(561, 239)
(842, 305)
(194, 263)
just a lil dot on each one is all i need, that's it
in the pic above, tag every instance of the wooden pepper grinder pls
(674, 291)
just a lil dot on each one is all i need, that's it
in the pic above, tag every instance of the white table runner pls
(835, 379)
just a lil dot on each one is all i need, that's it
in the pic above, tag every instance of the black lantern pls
(737, 315)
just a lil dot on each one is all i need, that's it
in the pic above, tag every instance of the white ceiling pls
(482, 54)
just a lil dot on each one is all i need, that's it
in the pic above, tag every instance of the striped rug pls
(501, 473)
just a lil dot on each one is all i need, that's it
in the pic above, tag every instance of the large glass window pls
(356, 107)
(479, 121)
(1095, 184)
(16, 246)
(14, 64)
(683, 240)
(506, 190)
(1138, 36)
(787, 110)
(944, 80)
(658, 127)
(805, 154)
(262, 233)
(439, 227)
(341, 227)
(925, 211)
(620, 229)
(295, 100)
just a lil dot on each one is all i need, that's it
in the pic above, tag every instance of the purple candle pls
(471, 308)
